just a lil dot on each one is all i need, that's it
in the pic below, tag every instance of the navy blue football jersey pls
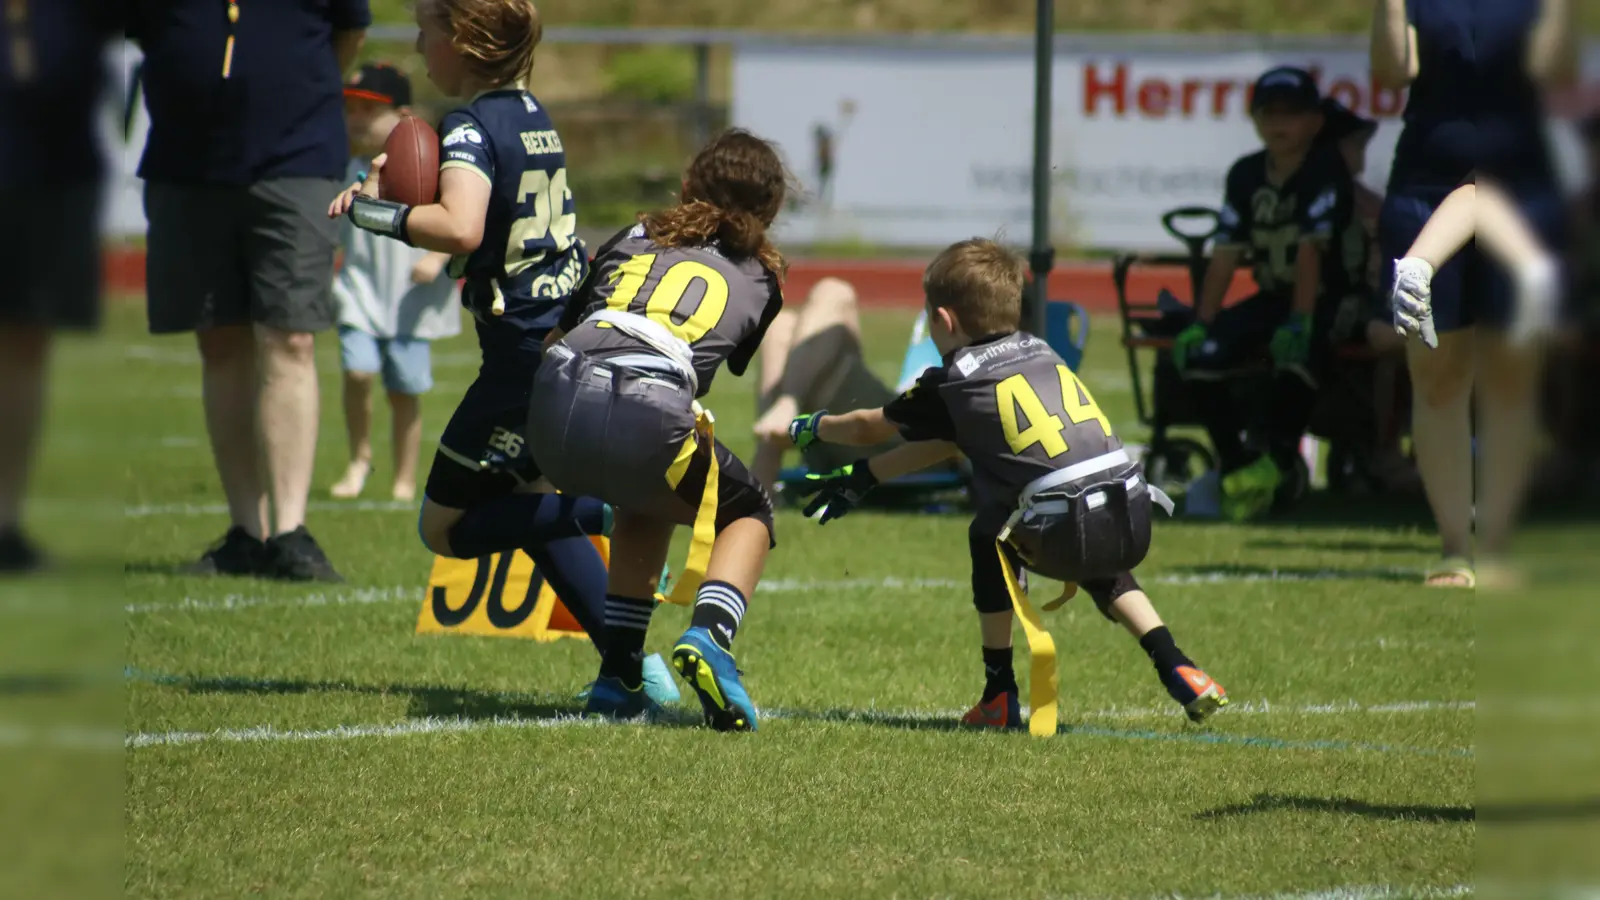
(52, 75)
(530, 260)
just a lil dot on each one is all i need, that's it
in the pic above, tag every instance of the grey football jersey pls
(721, 307)
(1014, 409)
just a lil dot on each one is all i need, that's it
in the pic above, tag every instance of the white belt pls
(1106, 462)
(674, 349)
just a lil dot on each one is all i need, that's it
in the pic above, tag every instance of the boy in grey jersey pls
(1054, 488)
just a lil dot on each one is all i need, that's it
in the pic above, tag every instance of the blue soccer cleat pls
(658, 683)
(710, 670)
(609, 697)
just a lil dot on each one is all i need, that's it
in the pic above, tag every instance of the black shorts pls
(481, 453)
(50, 252)
(739, 494)
(989, 593)
(261, 254)
(1241, 334)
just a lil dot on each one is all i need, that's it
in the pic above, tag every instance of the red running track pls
(882, 283)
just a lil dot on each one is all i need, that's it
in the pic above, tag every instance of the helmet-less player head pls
(973, 290)
(475, 45)
(731, 193)
(1287, 109)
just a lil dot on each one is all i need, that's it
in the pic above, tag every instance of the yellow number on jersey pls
(1016, 393)
(1079, 405)
(1278, 246)
(669, 293)
(1043, 428)
(674, 286)
(550, 195)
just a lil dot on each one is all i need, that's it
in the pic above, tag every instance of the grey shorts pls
(626, 437)
(261, 254)
(50, 252)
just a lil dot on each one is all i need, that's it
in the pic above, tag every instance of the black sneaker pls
(295, 556)
(237, 553)
(18, 555)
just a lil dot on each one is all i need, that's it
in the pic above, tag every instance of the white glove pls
(1411, 299)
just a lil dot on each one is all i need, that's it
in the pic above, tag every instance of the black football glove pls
(837, 492)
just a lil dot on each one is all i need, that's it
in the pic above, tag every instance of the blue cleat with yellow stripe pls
(710, 670)
(609, 697)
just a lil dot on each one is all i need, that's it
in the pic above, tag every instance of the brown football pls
(411, 173)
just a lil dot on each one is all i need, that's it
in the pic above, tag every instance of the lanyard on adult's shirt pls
(21, 47)
(227, 52)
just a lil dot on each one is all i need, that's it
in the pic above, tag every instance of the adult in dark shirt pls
(52, 74)
(247, 147)
(1475, 70)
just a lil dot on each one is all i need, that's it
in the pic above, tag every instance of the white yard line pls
(271, 734)
(218, 509)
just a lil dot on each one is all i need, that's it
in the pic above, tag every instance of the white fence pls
(930, 136)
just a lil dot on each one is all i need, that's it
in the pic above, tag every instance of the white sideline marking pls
(1351, 892)
(229, 602)
(345, 732)
(268, 733)
(219, 509)
(414, 593)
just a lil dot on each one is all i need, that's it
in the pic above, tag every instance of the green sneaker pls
(1248, 492)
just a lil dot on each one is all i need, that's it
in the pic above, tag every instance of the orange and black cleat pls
(1199, 695)
(1004, 712)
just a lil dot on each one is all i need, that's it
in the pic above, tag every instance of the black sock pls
(520, 521)
(1162, 650)
(718, 608)
(627, 621)
(999, 677)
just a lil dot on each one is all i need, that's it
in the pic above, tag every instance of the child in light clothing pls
(394, 300)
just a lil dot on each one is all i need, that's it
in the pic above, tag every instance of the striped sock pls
(718, 608)
(627, 621)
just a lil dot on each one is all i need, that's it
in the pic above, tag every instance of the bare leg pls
(739, 555)
(639, 547)
(1508, 420)
(24, 357)
(1441, 428)
(824, 343)
(996, 629)
(407, 436)
(1393, 469)
(1503, 231)
(289, 401)
(768, 461)
(827, 332)
(1134, 612)
(358, 427)
(230, 387)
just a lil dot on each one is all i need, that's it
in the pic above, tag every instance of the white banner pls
(920, 147)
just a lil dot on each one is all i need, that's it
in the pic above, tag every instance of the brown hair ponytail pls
(731, 193)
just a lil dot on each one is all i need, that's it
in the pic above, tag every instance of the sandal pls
(1451, 572)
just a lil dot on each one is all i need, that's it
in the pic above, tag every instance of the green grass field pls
(301, 741)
